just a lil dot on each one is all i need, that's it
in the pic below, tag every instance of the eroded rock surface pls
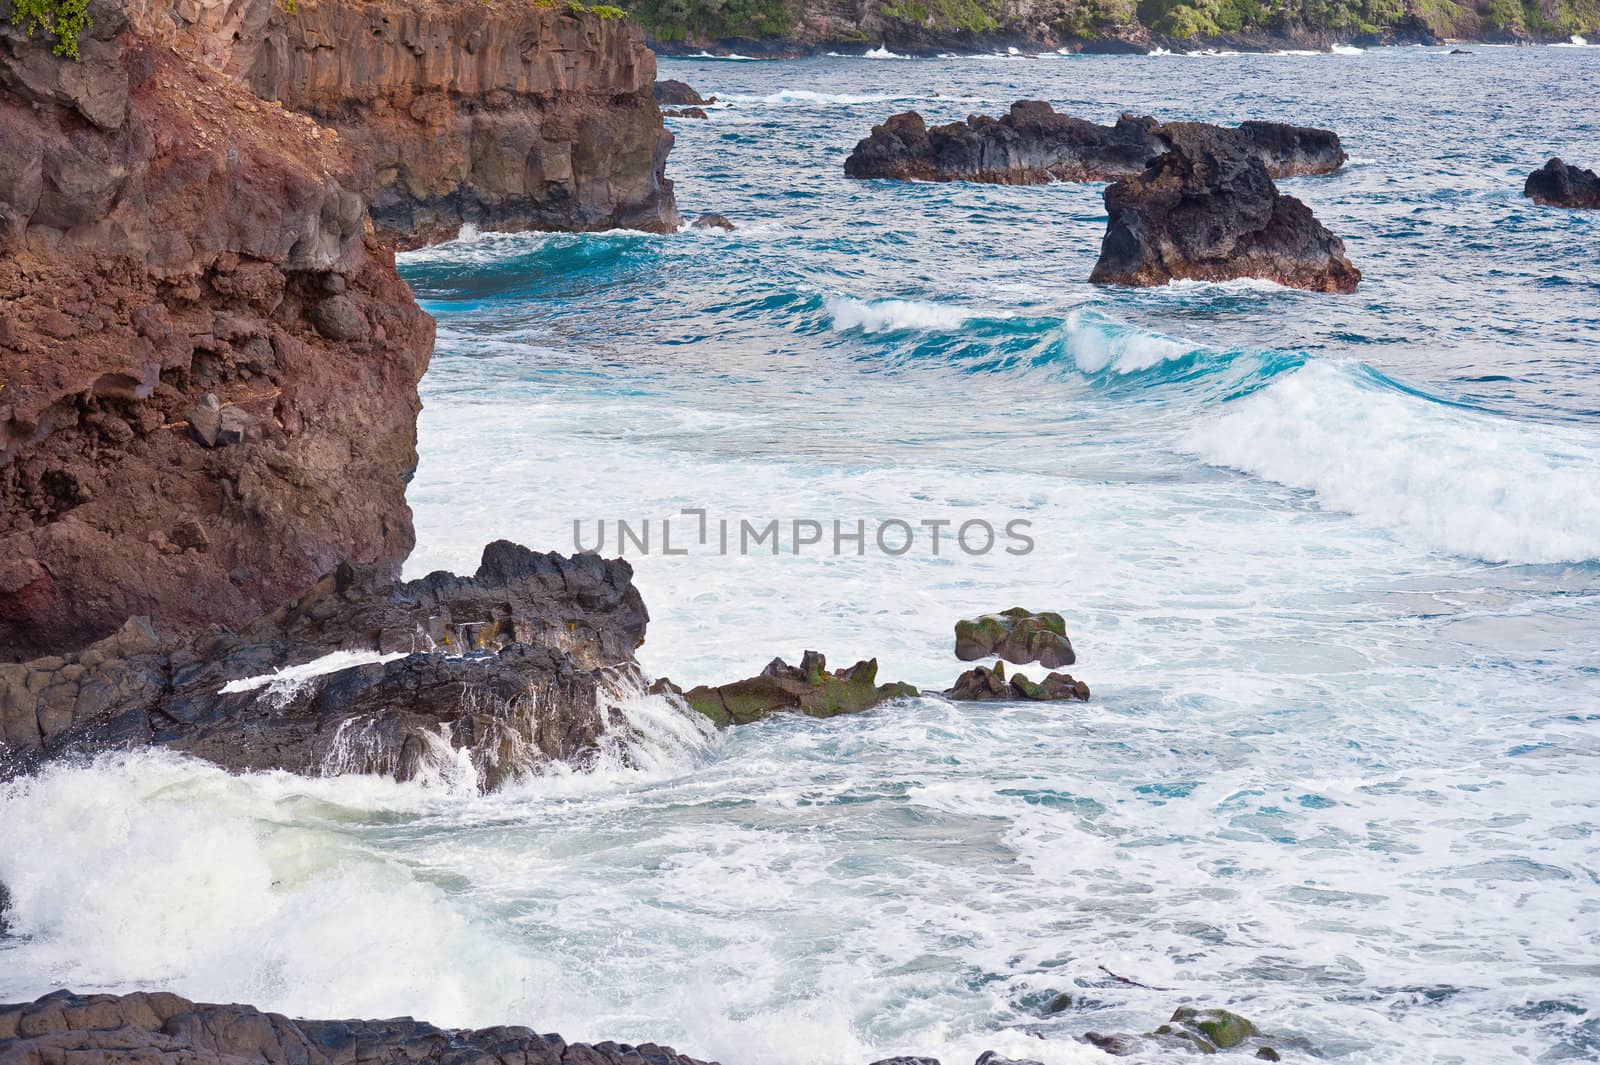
(207, 372)
(514, 664)
(67, 1029)
(1556, 184)
(1032, 144)
(1208, 210)
(1018, 635)
(985, 684)
(809, 688)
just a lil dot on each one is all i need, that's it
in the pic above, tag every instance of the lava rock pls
(205, 420)
(160, 1026)
(711, 220)
(513, 665)
(1017, 635)
(1202, 1031)
(1558, 185)
(808, 689)
(984, 684)
(1208, 210)
(1030, 145)
(676, 93)
(685, 112)
(340, 318)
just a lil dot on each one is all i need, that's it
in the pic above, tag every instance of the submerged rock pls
(1558, 185)
(1033, 144)
(711, 220)
(1198, 1030)
(808, 688)
(1017, 635)
(148, 1027)
(1207, 210)
(687, 112)
(513, 665)
(983, 684)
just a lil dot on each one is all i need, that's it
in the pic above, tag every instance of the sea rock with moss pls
(809, 689)
(1017, 635)
(1203, 1030)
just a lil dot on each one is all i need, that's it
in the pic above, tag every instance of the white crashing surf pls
(890, 316)
(882, 52)
(1097, 344)
(1444, 478)
(282, 684)
(808, 98)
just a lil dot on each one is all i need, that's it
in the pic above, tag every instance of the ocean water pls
(1331, 565)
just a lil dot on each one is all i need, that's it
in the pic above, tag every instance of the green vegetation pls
(1205, 18)
(679, 20)
(64, 20)
(969, 16)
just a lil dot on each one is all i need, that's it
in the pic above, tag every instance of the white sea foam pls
(1346, 49)
(1444, 478)
(807, 98)
(885, 316)
(882, 52)
(283, 683)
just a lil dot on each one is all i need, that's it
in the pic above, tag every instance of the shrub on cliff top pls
(64, 20)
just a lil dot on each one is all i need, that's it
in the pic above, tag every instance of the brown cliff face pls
(207, 372)
(501, 113)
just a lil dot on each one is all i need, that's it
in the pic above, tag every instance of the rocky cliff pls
(208, 364)
(798, 27)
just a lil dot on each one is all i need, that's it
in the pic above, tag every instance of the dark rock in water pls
(1459, 51)
(808, 689)
(906, 1061)
(1291, 151)
(69, 1029)
(1017, 635)
(1558, 185)
(989, 1057)
(5, 907)
(1031, 145)
(711, 220)
(1208, 211)
(982, 684)
(513, 664)
(674, 93)
(687, 112)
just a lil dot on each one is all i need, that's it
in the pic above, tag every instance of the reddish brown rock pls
(165, 237)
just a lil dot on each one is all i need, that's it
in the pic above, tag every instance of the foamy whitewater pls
(1330, 565)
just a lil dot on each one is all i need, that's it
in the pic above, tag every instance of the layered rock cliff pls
(208, 365)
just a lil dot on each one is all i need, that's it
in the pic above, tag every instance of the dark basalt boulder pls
(673, 93)
(1031, 145)
(1017, 635)
(1293, 151)
(711, 220)
(1558, 185)
(984, 684)
(808, 689)
(1208, 210)
(513, 664)
(68, 1029)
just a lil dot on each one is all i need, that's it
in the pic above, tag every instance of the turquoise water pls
(1331, 564)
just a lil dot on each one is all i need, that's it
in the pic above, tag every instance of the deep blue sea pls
(1331, 565)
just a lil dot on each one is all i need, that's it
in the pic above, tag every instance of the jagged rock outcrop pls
(1030, 145)
(982, 684)
(67, 1029)
(513, 664)
(1033, 145)
(1017, 635)
(166, 236)
(504, 114)
(1557, 184)
(1208, 210)
(809, 689)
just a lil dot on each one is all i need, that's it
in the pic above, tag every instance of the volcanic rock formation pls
(1208, 210)
(808, 689)
(1558, 185)
(1033, 145)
